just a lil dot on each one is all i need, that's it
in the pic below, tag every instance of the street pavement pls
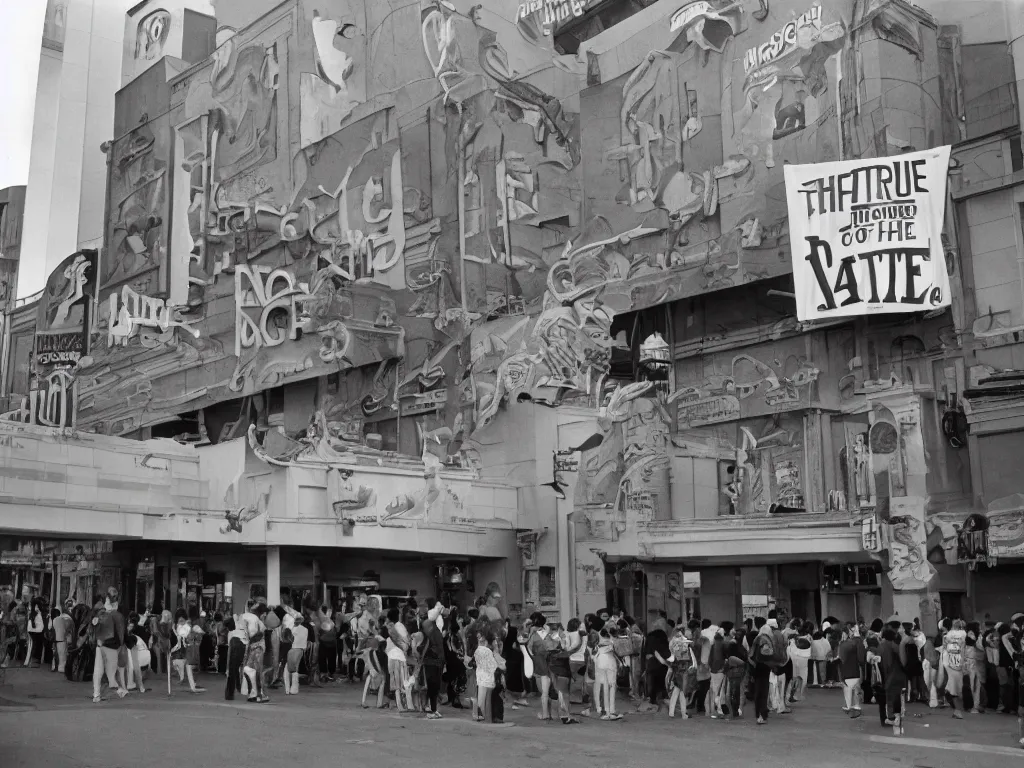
(48, 722)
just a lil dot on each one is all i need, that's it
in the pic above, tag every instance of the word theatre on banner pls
(866, 235)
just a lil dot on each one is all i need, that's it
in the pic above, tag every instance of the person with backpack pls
(952, 659)
(762, 656)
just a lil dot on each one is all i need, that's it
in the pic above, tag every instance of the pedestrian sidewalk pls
(820, 712)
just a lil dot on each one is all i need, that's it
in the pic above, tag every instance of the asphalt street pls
(47, 722)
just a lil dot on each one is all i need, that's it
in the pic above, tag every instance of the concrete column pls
(273, 576)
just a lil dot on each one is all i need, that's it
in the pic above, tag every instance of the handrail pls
(18, 303)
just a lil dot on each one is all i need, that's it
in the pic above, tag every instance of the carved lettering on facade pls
(135, 311)
(266, 307)
(51, 406)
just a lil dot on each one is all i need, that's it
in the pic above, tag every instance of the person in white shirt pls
(954, 646)
(62, 630)
(300, 641)
(398, 664)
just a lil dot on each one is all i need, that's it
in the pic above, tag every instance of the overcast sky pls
(21, 34)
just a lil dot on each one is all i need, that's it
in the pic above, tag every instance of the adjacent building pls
(459, 295)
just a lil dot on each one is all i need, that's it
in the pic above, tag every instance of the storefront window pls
(548, 587)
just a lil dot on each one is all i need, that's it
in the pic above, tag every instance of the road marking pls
(951, 745)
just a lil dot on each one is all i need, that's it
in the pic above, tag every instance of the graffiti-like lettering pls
(780, 43)
(51, 406)
(275, 296)
(554, 12)
(134, 312)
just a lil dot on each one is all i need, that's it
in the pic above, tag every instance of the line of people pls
(413, 654)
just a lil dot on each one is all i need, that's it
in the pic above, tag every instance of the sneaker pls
(846, 709)
(977, 711)
(958, 715)
(98, 699)
(760, 721)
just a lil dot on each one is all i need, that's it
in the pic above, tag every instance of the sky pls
(21, 33)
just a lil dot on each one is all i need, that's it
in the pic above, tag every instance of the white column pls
(273, 576)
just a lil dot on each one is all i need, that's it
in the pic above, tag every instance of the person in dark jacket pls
(432, 655)
(852, 658)
(893, 653)
(736, 663)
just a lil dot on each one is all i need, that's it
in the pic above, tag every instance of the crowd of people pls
(422, 656)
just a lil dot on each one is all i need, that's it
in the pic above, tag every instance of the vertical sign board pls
(866, 235)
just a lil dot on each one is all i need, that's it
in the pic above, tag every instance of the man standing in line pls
(109, 632)
(252, 667)
(761, 653)
(63, 629)
(433, 663)
(852, 658)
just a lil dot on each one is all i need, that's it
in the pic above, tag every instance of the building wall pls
(41, 169)
(74, 114)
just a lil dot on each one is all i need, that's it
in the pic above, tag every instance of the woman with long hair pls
(454, 666)
(36, 628)
(515, 679)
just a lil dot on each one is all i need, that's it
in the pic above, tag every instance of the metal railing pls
(26, 300)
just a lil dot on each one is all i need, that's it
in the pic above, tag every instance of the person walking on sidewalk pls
(893, 653)
(109, 627)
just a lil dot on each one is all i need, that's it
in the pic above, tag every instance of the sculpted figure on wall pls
(151, 35)
(137, 238)
(329, 95)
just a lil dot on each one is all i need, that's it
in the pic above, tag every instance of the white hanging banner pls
(866, 235)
